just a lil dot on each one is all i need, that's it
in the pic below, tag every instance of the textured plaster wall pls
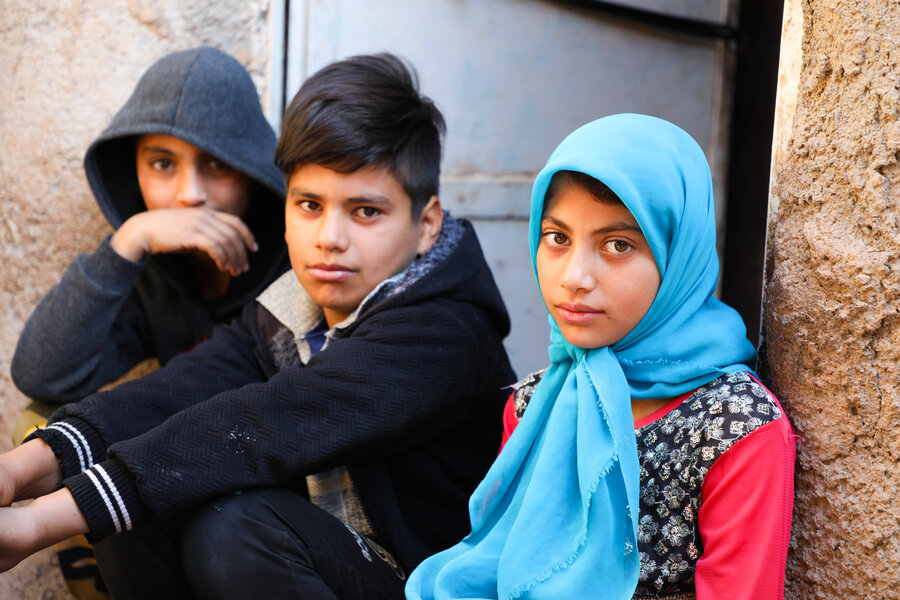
(65, 68)
(832, 298)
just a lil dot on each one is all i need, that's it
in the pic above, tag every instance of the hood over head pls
(204, 97)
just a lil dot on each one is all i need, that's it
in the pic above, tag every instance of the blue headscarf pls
(556, 515)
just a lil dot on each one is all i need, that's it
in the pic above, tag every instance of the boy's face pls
(595, 269)
(347, 232)
(174, 174)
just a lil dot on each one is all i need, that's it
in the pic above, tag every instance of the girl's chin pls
(584, 337)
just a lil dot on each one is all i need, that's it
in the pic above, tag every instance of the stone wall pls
(833, 293)
(65, 68)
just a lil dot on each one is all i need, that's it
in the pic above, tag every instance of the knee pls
(224, 540)
(214, 539)
(211, 526)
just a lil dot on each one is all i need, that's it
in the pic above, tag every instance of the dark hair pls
(592, 186)
(365, 111)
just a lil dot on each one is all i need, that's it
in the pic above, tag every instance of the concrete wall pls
(833, 292)
(65, 68)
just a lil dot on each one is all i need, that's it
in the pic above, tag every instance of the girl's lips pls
(324, 272)
(577, 313)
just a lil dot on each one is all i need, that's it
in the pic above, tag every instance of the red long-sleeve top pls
(745, 503)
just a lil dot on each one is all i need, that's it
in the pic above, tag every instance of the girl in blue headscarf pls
(650, 462)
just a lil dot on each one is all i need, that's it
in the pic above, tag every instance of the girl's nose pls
(191, 189)
(579, 272)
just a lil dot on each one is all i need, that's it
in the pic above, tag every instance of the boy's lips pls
(577, 313)
(330, 272)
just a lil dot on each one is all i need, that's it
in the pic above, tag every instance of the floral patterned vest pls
(675, 453)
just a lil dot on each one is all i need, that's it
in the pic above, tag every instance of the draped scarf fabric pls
(556, 514)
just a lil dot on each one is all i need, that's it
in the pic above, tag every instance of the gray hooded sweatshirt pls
(108, 313)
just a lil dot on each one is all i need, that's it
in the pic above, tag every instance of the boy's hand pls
(7, 486)
(224, 237)
(28, 471)
(26, 529)
(17, 536)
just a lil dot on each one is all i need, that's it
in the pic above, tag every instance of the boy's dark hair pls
(365, 111)
(591, 185)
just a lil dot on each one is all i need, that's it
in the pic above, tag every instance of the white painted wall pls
(512, 78)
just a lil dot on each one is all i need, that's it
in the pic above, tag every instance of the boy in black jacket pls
(327, 441)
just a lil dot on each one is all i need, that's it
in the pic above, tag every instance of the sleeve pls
(745, 517)
(387, 388)
(510, 420)
(92, 310)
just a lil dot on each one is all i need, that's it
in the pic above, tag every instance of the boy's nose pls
(332, 233)
(191, 189)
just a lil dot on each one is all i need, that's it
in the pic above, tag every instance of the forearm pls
(57, 518)
(84, 308)
(232, 427)
(745, 518)
(224, 362)
(305, 418)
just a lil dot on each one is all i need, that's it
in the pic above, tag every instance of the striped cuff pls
(76, 444)
(107, 496)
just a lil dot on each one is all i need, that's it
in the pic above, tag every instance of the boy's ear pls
(430, 220)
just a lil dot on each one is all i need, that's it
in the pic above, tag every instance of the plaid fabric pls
(333, 491)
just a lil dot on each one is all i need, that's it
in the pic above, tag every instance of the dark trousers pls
(269, 543)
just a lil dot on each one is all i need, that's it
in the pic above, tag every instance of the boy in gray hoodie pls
(184, 174)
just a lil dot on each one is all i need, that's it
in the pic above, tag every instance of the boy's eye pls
(555, 238)
(160, 164)
(217, 166)
(307, 205)
(368, 212)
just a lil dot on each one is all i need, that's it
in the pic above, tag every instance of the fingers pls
(222, 236)
(241, 228)
(234, 241)
(225, 239)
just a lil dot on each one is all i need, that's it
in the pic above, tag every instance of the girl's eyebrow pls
(554, 221)
(620, 226)
(612, 227)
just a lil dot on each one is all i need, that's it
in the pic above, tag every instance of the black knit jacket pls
(408, 398)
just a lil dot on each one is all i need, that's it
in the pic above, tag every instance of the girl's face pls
(595, 269)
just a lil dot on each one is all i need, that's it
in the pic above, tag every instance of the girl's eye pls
(555, 238)
(619, 246)
(368, 212)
